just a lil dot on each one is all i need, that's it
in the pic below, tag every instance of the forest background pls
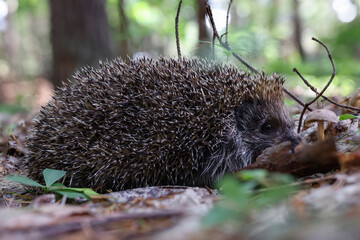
(43, 42)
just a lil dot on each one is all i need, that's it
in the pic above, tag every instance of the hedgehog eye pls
(268, 127)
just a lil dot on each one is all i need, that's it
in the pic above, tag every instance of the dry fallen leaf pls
(349, 160)
(305, 160)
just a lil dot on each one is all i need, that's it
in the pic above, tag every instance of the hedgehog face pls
(258, 124)
(261, 124)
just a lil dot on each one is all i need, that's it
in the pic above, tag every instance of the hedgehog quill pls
(159, 121)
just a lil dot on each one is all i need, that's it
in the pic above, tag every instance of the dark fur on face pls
(258, 124)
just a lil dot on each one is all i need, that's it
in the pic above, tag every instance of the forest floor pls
(320, 203)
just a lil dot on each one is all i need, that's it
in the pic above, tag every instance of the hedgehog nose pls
(295, 140)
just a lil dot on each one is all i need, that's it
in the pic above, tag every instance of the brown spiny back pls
(141, 122)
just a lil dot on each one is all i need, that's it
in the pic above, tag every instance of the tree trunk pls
(203, 48)
(298, 29)
(11, 46)
(79, 36)
(124, 44)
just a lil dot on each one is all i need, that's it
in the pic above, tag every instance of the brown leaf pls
(349, 160)
(304, 161)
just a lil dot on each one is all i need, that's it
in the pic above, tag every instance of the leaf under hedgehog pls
(159, 121)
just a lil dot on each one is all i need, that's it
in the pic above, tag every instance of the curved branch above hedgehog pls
(227, 46)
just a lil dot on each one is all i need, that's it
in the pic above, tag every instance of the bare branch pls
(324, 89)
(222, 35)
(298, 100)
(324, 97)
(342, 105)
(225, 45)
(227, 21)
(211, 19)
(213, 46)
(177, 30)
(212, 22)
(237, 56)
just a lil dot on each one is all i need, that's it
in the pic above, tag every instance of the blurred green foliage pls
(260, 31)
(250, 191)
(12, 108)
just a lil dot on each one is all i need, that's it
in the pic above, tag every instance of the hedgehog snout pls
(294, 138)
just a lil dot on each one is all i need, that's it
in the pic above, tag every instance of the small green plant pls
(347, 116)
(51, 176)
(249, 191)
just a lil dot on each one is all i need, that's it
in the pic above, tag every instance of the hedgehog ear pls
(242, 112)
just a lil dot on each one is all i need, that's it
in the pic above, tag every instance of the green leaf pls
(244, 194)
(55, 187)
(233, 190)
(52, 175)
(256, 174)
(71, 194)
(90, 192)
(347, 116)
(58, 185)
(280, 179)
(218, 215)
(274, 195)
(24, 180)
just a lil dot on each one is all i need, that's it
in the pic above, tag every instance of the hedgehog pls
(150, 122)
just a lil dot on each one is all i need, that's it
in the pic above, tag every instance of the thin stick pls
(177, 30)
(213, 46)
(225, 45)
(211, 19)
(326, 86)
(324, 97)
(342, 105)
(298, 100)
(227, 21)
(215, 33)
(222, 35)
(237, 56)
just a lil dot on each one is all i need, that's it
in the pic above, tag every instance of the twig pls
(342, 105)
(324, 97)
(177, 30)
(324, 89)
(227, 22)
(237, 56)
(211, 19)
(213, 46)
(222, 35)
(298, 100)
(215, 33)
(16, 140)
(225, 45)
